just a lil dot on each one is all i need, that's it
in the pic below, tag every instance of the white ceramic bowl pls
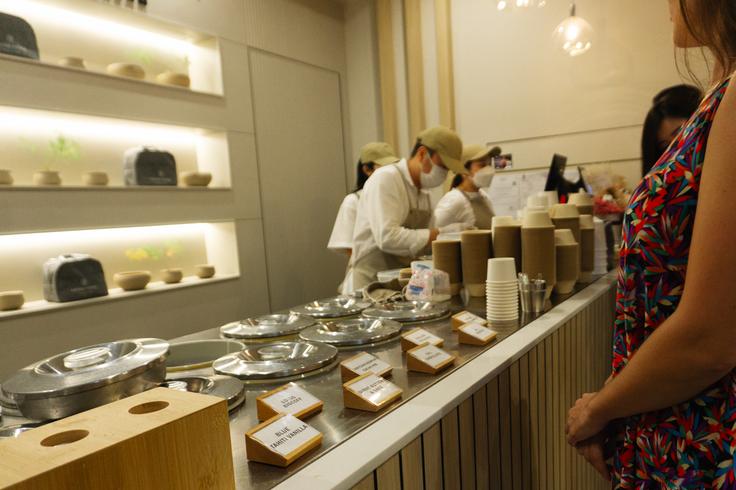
(564, 237)
(560, 211)
(537, 219)
(127, 70)
(205, 271)
(132, 280)
(171, 276)
(11, 300)
(95, 178)
(175, 79)
(195, 179)
(72, 62)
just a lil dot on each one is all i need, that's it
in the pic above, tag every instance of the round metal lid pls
(407, 311)
(227, 387)
(276, 360)
(17, 430)
(85, 368)
(267, 326)
(359, 331)
(336, 307)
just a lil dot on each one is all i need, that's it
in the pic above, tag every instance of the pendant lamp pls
(574, 35)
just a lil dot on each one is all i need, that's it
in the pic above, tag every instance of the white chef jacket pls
(382, 210)
(454, 207)
(341, 238)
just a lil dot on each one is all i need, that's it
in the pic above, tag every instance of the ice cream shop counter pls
(494, 418)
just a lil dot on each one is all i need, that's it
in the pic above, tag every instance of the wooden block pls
(417, 337)
(429, 359)
(363, 363)
(288, 399)
(281, 440)
(475, 334)
(161, 438)
(464, 317)
(370, 393)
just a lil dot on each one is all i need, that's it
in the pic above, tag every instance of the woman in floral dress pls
(669, 408)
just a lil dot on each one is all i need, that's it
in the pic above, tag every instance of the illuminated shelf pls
(116, 294)
(111, 188)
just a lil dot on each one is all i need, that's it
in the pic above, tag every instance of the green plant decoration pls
(58, 151)
(141, 56)
(168, 250)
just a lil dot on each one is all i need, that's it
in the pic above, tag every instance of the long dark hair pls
(680, 102)
(362, 177)
(713, 24)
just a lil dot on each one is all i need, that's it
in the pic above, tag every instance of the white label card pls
(421, 336)
(431, 355)
(366, 363)
(374, 389)
(286, 435)
(478, 331)
(291, 400)
(467, 317)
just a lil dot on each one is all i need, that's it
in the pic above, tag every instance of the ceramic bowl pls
(95, 178)
(176, 79)
(11, 300)
(560, 211)
(564, 237)
(205, 271)
(171, 276)
(5, 177)
(132, 280)
(73, 62)
(127, 70)
(195, 179)
(47, 177)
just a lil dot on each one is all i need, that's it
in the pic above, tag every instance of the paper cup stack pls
(507, 238)
(601, 248)
(583, 201)
(552, 197)
(538, 248)
(567, 252)
(567, 217)
(476, 249)
(502, 290)
(446, 255)
(587, 248)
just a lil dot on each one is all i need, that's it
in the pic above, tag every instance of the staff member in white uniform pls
(372, 155)
(468, 202)
(394, 213)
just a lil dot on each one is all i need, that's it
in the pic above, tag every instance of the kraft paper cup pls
(572, 224)
(587, 254)
(565, 211)
(476, 249)
(583, 201)
(447, 257)
(538, 254)
(501, 269)
(503, 221)
(536, 219)
(567, 257)
(564, 237)
(552, 197)
(507, 242)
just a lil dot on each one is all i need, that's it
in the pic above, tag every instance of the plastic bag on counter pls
(427, 284)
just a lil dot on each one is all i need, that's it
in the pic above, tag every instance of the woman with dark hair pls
(467, 202)
(669, 407)
(671, 109)
(371, 155)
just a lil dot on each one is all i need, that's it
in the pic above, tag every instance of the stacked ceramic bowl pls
(601, 248)
(502, 290)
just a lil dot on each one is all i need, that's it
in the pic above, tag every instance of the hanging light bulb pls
(574, 34)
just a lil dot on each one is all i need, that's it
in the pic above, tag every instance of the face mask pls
(435, 178)
(483, 177)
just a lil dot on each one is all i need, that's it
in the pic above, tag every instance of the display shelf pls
(115, 294)
(110, 188)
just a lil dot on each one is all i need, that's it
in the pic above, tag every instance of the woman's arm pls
(696, 346)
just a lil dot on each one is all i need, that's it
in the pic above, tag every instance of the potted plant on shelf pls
(60, 150)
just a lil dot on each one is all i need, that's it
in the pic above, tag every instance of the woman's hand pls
(582, 422)
(593, 451)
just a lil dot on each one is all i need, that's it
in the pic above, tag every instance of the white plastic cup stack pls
(601, 248)
(502, 290)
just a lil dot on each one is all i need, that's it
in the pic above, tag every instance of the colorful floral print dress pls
(690, 446)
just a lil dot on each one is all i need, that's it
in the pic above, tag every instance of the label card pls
(431, 355)
(479, 332)
(373, 389)
(366, 363)
(466, 317)
(286, 435)
(419, 336)
(291, 399)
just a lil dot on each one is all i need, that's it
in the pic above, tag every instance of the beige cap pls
(478, 152)
(379, 153)
(447, 143)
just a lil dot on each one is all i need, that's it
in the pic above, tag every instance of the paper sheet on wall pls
(504, 193)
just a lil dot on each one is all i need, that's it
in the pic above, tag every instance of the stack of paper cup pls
(446, 257)
(538, 248)
(507, 238)
(583, 201)
(552, 197)
(537, 201)
(567, 251)
(502, 290)
(587, 248)
(476, 248)
(601, 248)
(567, 217)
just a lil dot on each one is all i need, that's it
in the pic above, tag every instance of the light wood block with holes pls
(158, 439)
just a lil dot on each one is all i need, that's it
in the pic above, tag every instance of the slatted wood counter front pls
(508, 431)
